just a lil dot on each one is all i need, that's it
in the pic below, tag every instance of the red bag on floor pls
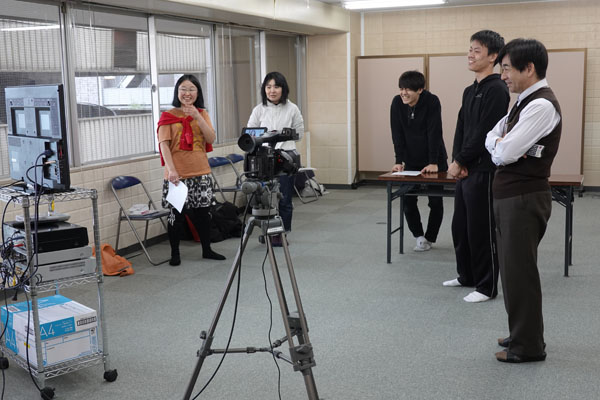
(113, 264)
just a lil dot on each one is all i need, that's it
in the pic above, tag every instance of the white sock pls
(476, 297)
(452, 283)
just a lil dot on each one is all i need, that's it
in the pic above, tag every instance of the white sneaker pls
(476, 297)
(422, 244)
(452, 283)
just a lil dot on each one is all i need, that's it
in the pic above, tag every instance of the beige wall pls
(355, 36)
(327, 93)
(327, 103)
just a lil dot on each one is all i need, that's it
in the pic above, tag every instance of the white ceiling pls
(459, 3)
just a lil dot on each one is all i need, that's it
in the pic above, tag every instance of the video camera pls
(263, 161)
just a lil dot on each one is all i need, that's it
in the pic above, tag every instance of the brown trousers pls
(520, 225)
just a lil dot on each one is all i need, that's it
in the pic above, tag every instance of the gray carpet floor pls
(379, 331)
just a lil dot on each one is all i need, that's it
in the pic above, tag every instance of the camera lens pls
(246, 143)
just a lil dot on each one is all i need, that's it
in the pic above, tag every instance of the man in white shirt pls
(523, 145)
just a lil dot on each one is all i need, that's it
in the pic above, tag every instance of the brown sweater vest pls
(530, 174)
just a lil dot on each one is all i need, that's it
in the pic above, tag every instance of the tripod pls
(301, 354)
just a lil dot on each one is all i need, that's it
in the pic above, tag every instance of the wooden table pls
(562, 192)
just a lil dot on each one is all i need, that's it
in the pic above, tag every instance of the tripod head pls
(265, 197)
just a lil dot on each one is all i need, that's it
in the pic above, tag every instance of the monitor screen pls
(256, 132)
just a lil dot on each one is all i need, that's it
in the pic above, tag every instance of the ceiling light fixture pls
(379, 4)
(30, 28)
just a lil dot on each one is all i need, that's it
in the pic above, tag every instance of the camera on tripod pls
(263, 161)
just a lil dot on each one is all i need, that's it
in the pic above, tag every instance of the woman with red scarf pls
(185, 134)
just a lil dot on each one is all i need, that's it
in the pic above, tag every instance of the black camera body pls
(263, 161)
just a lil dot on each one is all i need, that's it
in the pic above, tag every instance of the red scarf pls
(187, 135)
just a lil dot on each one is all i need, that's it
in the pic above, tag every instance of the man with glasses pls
(523, 145)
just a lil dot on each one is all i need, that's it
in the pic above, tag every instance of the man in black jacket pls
(416, 122)
(483, 104)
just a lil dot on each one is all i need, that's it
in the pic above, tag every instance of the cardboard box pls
(68, 330)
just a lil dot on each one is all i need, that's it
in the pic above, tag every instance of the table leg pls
(401, 229)
(568, 229)
(389, 222)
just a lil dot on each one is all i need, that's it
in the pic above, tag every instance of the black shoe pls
(510, 357)
(504, 342)
(211, 255)
(175, 261)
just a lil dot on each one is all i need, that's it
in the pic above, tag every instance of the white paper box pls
(67, 330)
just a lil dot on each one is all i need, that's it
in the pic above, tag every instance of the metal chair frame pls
(231, 160)
(123, 182)
(303, 199)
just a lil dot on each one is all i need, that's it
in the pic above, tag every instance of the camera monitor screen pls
(256, 132)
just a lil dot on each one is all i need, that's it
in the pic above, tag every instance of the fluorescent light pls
(30, 28)
(374, 4)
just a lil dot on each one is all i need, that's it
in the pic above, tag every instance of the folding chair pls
(309, 174)
(123, 182)
(230, 160)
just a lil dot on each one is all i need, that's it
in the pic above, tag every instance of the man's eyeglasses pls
(188, 90)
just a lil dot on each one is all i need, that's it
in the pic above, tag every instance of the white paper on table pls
(177, 195)
(407, 173)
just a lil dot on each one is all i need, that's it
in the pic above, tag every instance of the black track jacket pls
(483, 105)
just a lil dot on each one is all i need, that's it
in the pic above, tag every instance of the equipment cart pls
(41, 372)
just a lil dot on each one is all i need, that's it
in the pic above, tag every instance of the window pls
(30, 54)
(282, 56)
(112, 84)
(184, 48)
(238, 71)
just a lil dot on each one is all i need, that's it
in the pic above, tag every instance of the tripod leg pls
(302, 355)
(205, 350)
(295, 290)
